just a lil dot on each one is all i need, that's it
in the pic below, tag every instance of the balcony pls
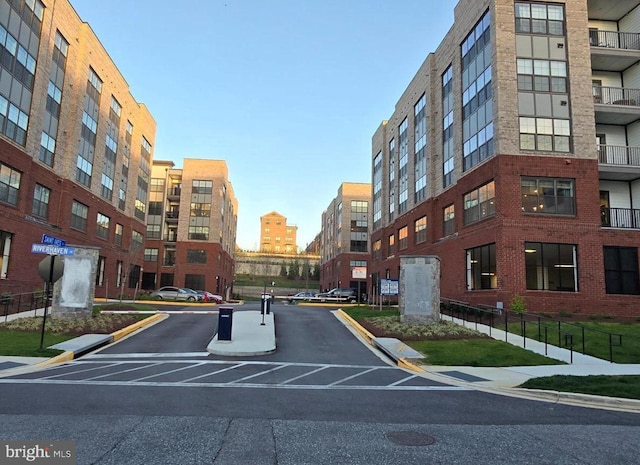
(613, 50)
(169, 261)
(172, 216)
(627, 218)
(171, 237)
(616, 105)
(173, 193)
(619, 163)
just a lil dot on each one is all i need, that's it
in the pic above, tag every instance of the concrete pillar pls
(419, 289)
(73, 294)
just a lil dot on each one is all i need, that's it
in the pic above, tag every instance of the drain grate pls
(411, 438)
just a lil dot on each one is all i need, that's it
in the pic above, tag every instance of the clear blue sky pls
(288, 92)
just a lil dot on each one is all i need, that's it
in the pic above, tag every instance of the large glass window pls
(481, 268)
(539, 18)
(196, 256)
(477, 94)
(420, 149)
(359, 227)
(202, 187)
(392, 178)
(448, 163)
(41, 201)
(621, 270)
(118, 237)
(548, 195)
(150, 255)
(102, 226)
(391, 245)
(479, 203)
(551, 267)
(403, 234)
(199, 233)
(448, 218)
(403, 168)
(79, 214)
(9, 184)
(377, 191)
(377, 250)
(420, 230)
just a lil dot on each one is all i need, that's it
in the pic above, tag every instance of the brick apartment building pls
(344, 238)
(276, 236)
(191, 227)
(514, 156)
(75, 148)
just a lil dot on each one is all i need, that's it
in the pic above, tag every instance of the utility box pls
(225, 323)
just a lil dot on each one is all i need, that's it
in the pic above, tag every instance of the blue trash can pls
(225, 323)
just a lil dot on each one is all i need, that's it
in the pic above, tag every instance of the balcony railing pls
(615, 39)
(616, 96)
(169, 261)
(620, 217)
(619, 155)
(174, 191)
(172, 237)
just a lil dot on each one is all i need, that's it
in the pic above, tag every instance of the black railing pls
(616, 96)
(615, 39)
(628, 218)
(17, 303)
(619, 155)
(549, 331)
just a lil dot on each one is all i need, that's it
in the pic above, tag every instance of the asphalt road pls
(322, 398)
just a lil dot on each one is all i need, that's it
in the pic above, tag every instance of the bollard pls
(225, 323)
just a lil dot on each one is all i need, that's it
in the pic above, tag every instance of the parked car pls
(175, 293)
(340, 293)
(199, 297)
(209, 297)
(305, 295)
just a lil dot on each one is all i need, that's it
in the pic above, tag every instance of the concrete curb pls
(402, 362)
(115, 336)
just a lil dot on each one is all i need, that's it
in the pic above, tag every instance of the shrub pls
(517, 304)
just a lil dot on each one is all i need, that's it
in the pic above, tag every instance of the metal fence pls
(547, 330)
(17, 303)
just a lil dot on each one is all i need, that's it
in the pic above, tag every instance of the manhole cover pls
(410, 438)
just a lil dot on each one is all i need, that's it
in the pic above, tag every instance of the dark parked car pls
(176, 293)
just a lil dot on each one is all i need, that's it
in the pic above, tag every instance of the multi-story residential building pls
(514, 156)
(276, 236)
(344, 238)
(75, 148)
(191, 227)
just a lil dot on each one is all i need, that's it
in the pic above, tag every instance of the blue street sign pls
(50, 240)
(52, 249)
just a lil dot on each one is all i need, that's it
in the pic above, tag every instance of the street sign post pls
(52, 249)
(50, 240)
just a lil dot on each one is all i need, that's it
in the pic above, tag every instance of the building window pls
(544, 134)
(377, 191)
(477, 94)
(420, 230)
(196, 256)
(392, 245)
(542, 75)
(403, 241)
(9, 184)
(47, 149)
(448, 218)
(392, 178)
(199, 233)
(447, 128)
(100, 271)
(202, 187)
(136, 241)
(540, 19)
(150, 255)
(479, 203)
(40, 201)
(153, 231)
(202, 210)
(194, 281)
(403, 166)
(420, 149)
(551, 267)
(377, 250)
(79, 214)
(102, 226)
(118, 239)
(481, 268)
(621, 270)
(548, 195)
(5, 252)
(359, 233)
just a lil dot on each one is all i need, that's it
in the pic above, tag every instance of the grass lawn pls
(614, 386)
(21, 337)
(486, 352)
(480, 352)
(27, 344)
